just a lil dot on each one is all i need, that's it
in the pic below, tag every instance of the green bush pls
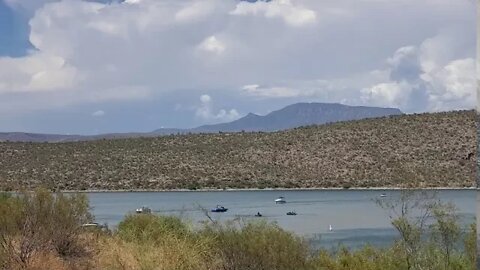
(257, 245)
(148, 228)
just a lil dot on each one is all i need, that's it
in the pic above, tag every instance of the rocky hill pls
(423, 150)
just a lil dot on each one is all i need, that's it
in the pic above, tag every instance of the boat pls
(95, 225)
(330, 228)
(383, 195)
(258, 214)
(143, 210)
(219, 209)
(280, 200)
(90, 225)
(291, 213)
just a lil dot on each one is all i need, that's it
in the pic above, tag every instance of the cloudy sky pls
(86, 67)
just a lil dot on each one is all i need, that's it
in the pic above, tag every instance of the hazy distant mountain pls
(37, 137)
(300, 114)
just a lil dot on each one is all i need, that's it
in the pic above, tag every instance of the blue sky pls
(88, 67)
(13, 32)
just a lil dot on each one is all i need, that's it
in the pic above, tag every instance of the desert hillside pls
(423, 150)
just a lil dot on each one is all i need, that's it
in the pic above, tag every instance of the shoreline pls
(263, 189)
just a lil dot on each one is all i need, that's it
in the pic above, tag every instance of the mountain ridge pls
(291, 116)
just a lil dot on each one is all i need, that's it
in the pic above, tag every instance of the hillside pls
(425, 150)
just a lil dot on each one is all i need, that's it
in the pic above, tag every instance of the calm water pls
(353, 215)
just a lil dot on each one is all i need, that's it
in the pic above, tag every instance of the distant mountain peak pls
(251, 115)
(291, 116)
(300, 114)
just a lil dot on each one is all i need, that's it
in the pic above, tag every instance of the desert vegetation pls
(41, 230)
(420, 150)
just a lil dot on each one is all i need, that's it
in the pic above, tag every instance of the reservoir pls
(328, 218)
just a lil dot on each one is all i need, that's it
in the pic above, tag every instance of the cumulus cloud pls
(36, 72)
(212, 44)
(271, 92)
(294, 15)
(90, 52)
(415, 79)
(452, 86)
(206, 113)
(427, 76)
(195, 11)
(391, 94)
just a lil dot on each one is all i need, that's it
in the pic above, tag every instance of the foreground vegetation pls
(424, 150)
(39, 230)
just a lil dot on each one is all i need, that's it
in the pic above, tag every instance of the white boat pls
(143, 210)
(280, 200)
(330, 228)
(93, 224)
(383, 195)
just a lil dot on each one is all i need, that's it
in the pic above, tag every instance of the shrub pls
(34, 222)
(155, 242)
(257, 245)
(151, 228)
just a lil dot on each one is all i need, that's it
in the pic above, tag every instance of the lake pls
(353, 214)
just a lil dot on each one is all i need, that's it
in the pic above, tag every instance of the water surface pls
(353, 214)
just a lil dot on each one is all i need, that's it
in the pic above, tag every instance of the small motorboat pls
(291, 213)
(219, 209)
(95, 226)
(258, 214)
(91, 225)
(280, 200)
(330, 228)
(383, 195)
(143, 210)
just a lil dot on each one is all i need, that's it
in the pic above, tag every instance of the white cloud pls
(88, 52)
(195, 11)
(271, 92)
(36, 72)
(294, 15)
(453, 85)
(212, 44)
(205, 112)
(205, 99)
(390, 94)
(414, 80)
(99, 113)
(132, 1)
(428, 76)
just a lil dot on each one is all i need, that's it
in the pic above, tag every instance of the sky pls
(89, 67)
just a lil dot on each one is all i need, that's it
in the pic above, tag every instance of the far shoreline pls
(263, 189)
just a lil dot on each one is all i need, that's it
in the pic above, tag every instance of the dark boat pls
(219, 209)
(258, 214)
(291, 213)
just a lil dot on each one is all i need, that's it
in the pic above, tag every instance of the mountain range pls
(292, 116)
